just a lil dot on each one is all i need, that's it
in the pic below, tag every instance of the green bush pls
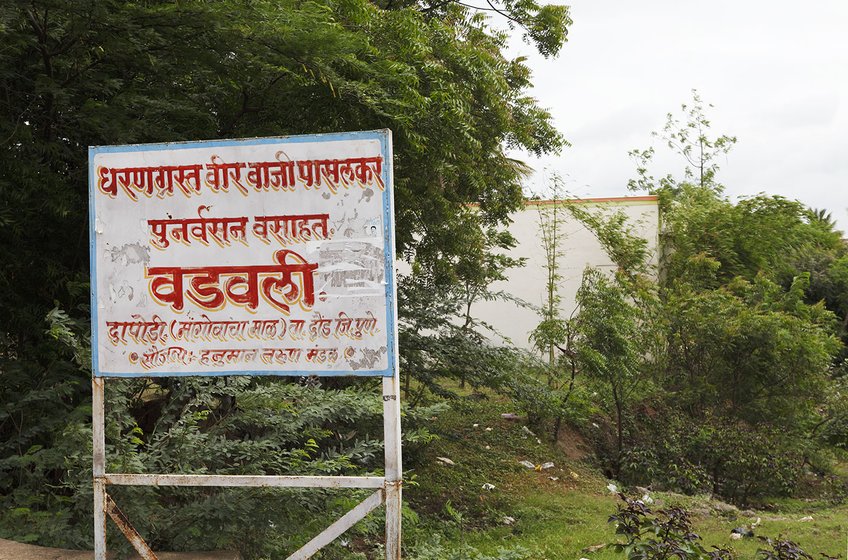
(734, 460)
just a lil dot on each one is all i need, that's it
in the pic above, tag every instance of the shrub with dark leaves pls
(666, 533)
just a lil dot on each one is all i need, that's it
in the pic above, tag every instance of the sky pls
(776, 73)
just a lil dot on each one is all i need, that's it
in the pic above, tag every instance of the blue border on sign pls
(383, 136)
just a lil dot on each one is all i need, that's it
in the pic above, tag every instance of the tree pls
(691, 141)
(552, 331)
(101, 72)
(609, 350)
(749, 351)
(614, 331)
(745, 305)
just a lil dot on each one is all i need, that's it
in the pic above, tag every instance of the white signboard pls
(269, 256)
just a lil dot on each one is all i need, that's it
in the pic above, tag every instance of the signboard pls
(270, 256)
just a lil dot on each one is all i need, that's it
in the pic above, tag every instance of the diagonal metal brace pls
(341, 525)
(128, 530)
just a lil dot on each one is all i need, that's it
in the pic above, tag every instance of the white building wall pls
(579, 249)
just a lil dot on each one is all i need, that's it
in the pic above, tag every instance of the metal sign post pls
(267, 256)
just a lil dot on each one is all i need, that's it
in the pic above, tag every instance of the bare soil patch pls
(572, 444)
(11, 550)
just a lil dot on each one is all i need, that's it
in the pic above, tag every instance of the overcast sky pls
(776, 72)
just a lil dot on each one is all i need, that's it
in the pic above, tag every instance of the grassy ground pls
(562, 512)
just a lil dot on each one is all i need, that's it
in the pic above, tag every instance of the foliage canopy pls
(103, 72)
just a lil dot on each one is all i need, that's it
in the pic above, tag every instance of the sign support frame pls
(388, 488)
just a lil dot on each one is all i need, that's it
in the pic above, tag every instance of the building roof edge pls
(598, 200)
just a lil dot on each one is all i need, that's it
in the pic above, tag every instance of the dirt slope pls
(11, 550)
